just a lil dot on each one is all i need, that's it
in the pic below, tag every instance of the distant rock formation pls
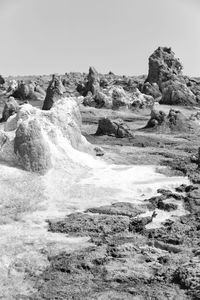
(2, 80)
(163, 66)
(120, 98)
(37, 140)
(54, 91)
(11, 107)
(175, 121)
(93, 81)
(166, 71)
(177, 93)
(113, 127)
(140, 100)
(26, 91)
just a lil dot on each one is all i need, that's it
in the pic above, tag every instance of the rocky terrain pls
(101, 185)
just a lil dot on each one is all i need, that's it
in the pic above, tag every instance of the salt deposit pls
(75, 182)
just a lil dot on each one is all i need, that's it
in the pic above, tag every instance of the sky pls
(58, 36)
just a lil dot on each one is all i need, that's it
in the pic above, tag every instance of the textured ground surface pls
(99, 241)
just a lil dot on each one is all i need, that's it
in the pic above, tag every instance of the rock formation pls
(54, 91)
(2, 80)
(93, 81)
(113, 127)
(163, 66)
(166, 71)
(175, 121)
(11, 107)
(151, 89)
(26, 91)
(177, 93)
(120, 98)
(31, 148)
(40, 139)
(140, 100)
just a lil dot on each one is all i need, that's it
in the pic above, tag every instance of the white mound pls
(37, 139)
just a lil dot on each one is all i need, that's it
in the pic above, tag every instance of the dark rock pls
(99, 151)
(2, 80)
(54, 92)
(93, 81)
(166, 206)
(80, 224)
(89, 100)
(188, 276)
(163, 65)
(113, 127)
(138, 224)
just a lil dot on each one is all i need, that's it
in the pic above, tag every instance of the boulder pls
(113, 127)
(177, 93)
(54, 92)
(11, 107)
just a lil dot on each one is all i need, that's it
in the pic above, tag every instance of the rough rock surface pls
(166, 71)
(175, 121)
(140, 100)
(177, 93)
(151, 89)
(26, 91)
(32, 149)
(93, 81)
(11, 107)
(163, 66)
(120, 98)
(113, 127)
(30, 141)
(54, 92)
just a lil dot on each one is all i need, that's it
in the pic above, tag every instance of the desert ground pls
(100, 194)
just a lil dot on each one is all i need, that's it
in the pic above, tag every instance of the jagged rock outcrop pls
(93, 81)
(113, 127)
(54, 91)
(175, 121)
(11, 107)
(37, 140)
(166, 71)
(163, 66)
